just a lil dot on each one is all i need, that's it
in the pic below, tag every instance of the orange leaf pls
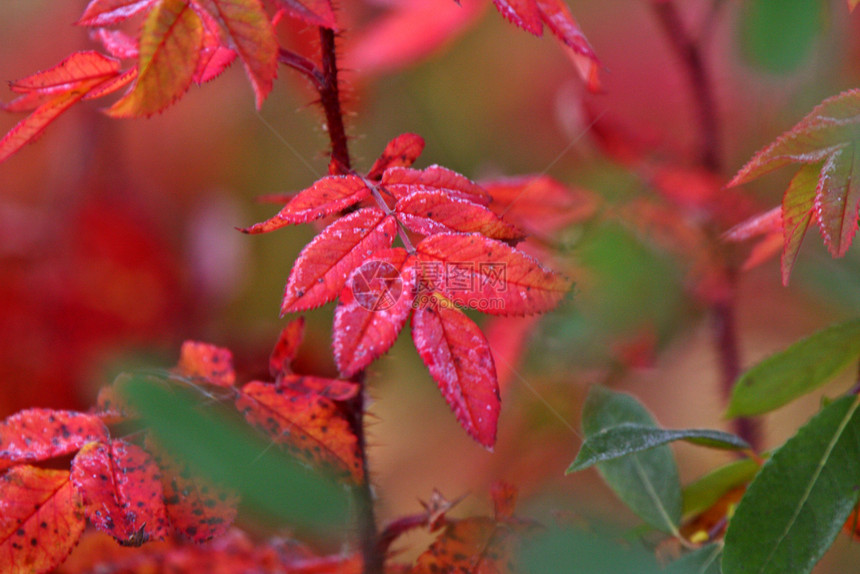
(121, 489)
(204, 361)
(323, 266)
(52, 92)
(286, 348)
(488, 275)
(328, 195)
(402, 151)
(373, 308)
(197, 508)
(401, 181)
(435, 211)
(247, 30)
(310, 425)
(334, 389)
(40, 434)
(459, 360)
(170, 44)
(477, 545)
(40, 519)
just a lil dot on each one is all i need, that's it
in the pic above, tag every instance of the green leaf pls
(646, 481)
(798, 370)
(795, 507)
(705, 560)
(579, 552)
(218, 444)
(777, 35)
(627, 438)
(703, 493)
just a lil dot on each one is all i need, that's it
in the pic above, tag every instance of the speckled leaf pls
(798, 206)
(246, 28)
(401, 181)
(196, 508)
(435, 211)
(309, 425)
(40, 434)
(286, 348)
(121, 489)
(323, 266)
(328, 195)
(796, 371)
(837, 199)
(51, 92)
(108, 12)
(373, 308)
(334, 389)
(646, 481)
(170, 43)
(402, 151)
(459, 360)
(40, 519)
(490, 276)
(558, 18)
(801, 498)
(206, 362)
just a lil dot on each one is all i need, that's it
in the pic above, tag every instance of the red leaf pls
(112, 85)
(328, 195)
(247, 30)
(40, 519)
(402, 151)
(540, 204)
(798, 205)
(121, 489)
(411, 30)
(108, 12)
(117, 43)
(334, 389)
(170, 44)
(487, 275)
(310, 425)
(557, 16)
(373, 308)
(459, 360)
(204, 361)
(313, 12)
(523, 13)
(286, 348)
(429, 212)
(321, 269)
(837, 199)
(196, 507)
(402, 181)
(52, 92)
(40, 434)
(214, 57)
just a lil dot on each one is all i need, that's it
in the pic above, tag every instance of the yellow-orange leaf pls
(170, 44)
(40, 519)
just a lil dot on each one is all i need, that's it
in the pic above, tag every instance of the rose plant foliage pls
(400, 243)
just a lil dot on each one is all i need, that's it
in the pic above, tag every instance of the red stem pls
(330, 99)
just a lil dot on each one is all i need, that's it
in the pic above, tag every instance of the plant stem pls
(330, 100)
(689, 52)
(329, 90)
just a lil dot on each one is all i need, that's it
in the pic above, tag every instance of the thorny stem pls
(329, 92)
(689, 51)
(302, 65)
(330, 99)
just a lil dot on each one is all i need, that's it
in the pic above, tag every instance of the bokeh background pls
(118, 240)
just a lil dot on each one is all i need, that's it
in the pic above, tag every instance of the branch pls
(330, 100)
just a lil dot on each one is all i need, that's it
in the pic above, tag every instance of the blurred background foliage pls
(117, 238)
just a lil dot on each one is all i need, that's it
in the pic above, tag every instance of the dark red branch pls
(303, 65)
(689, 51)
(330, 100)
